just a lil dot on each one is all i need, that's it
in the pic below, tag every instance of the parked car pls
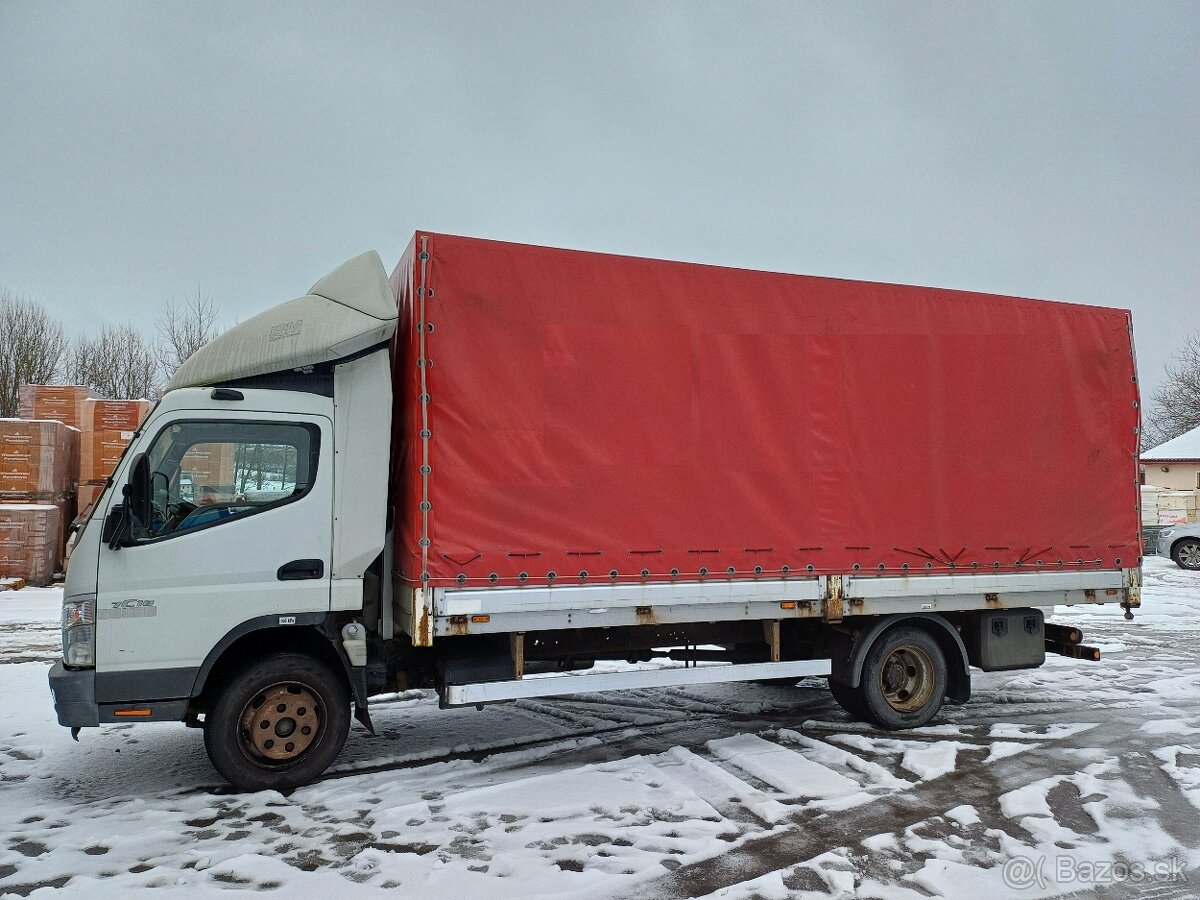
(1182, 544)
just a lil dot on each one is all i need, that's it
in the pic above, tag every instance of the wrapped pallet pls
(212, 468)
(99, 453)
(61, 402)
(107, 428)
(30, 541)
(1176, 507)
(112, 415)
(39, 459)
(1150, 504)
(39, 465)
(86, 496)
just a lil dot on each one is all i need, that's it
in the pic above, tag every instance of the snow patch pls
(790, 772)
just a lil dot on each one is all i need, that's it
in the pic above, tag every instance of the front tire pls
(1186, 554)
(904, 679)
(278, 723)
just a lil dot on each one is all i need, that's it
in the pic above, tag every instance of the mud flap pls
(358, 684)
(364, 716)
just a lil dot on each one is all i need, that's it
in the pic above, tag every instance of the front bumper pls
(75, 697)
(74, 693)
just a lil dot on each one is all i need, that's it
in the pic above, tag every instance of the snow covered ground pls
(1076, 778)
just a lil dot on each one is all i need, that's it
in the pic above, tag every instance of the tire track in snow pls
(806, 832)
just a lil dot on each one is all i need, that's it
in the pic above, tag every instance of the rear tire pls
(1186, 554)
(278, 723)
(904, 679)
(849, 698)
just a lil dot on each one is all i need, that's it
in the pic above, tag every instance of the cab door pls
(240, 528)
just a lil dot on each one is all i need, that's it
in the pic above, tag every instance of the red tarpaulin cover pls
(597, 413)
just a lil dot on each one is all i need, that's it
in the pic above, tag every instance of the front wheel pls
(1186, 553)
(903, 679)
(278, 723)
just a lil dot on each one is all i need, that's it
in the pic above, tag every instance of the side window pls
(206, 473)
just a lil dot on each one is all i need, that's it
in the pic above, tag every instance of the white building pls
(1175, 464)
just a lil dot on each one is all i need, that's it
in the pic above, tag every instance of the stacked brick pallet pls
(38, 459)
(211, 468)
(107, 427)
(31, 540)
(38, 464)
(60, 402)
(54, 461)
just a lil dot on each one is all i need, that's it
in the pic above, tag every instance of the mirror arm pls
(121, 534)
(116, 539)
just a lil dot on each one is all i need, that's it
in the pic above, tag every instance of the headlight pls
(78, 612)
(1166, 532)
(79, 632)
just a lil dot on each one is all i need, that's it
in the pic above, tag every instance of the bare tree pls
(32, 347)
(1175, 407)
(183, 329)
(117, 363)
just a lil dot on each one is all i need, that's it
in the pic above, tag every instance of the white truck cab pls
(250, 504)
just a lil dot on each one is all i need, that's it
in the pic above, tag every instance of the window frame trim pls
(314, 457)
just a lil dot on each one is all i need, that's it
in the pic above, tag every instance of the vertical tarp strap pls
(423, 366)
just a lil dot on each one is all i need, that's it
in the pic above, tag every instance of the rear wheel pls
(1186, 553)
(278, 723)
(903, 679)
(848, 698)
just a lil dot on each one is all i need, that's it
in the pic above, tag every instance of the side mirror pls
(138, 490)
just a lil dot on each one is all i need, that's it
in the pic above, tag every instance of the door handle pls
(301, 570)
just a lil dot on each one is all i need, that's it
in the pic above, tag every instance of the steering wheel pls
(178, 509)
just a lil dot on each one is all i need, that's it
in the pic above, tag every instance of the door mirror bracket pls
(115, 527)
(139, 491)
(136, 505)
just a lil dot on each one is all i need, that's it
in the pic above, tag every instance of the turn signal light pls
(131, 712)
(788, 604)
(481, 619)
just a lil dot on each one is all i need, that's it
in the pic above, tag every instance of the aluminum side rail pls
(883, 595)
(562, 685)
(614, 605)
(460, 611)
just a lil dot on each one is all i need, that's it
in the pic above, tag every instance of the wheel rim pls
(281, 723)
(906, 679)
(1189, 555)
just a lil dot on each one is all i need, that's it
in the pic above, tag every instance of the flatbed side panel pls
(467, 602)
(925, 586)
(500, 610)
(586, 414)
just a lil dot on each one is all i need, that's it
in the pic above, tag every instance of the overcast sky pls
(1044, 150)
